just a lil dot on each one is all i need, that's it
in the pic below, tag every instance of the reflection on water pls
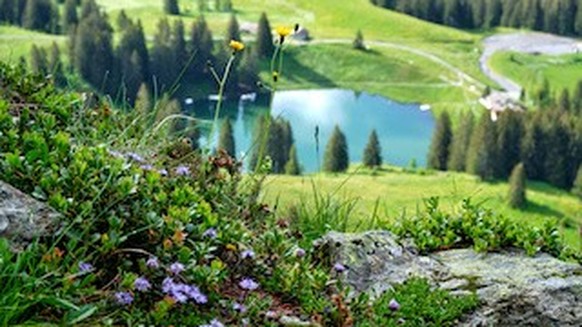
(404, 130)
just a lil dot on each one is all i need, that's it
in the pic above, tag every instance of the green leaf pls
(80, 315)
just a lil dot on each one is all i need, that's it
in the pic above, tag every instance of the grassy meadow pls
(392, 192)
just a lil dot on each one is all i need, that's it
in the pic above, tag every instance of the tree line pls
(548, 141)
(554, 16)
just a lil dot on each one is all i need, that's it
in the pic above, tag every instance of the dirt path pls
(525, 42)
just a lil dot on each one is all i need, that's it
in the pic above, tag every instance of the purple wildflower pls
(210, 233)
(338, 267)
(147, 167)
(123, 298)
(193, 292)
(163, 172)
(182, 170)
(85, 267)
(300, 253)
(142, 284)
(168, 285)
(248, 284)
(153, 263)
(247, 254)
(176, 268)
(135, 157)
(239, 307)
(213, 323)
(393, 305)
(182, 292)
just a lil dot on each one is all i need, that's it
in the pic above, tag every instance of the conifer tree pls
(577, 100)
(460, 143)
(38, 60)
(70, 17)
(482, 155)
(509, 136)
(164, 68)
(264, 46)
(133, 57)
(564, 103)
(55, 66)
(171, 7)
(517, 187)
(577, 188)
(88, 7)
(336, 158)
(123, 22)
(556, 163)
(178, 45)
(226, 140)
(441, 141)
(533, 150)
(358, 43)
(373, 152)
(292, 166)
(200, 46)
(40, 15)
(233, 30)
(248, 70)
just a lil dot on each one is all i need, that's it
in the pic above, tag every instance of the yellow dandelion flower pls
(236, 46)
(283, 31)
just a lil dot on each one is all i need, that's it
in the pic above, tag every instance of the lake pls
(404, 130)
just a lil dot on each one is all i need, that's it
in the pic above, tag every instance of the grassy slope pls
(530, 70)
(16, 42)
(398, 192)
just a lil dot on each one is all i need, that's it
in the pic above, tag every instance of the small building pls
(498, 102)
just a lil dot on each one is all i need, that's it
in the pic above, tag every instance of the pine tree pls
(164, 68)
(533, 150)
(577, 100)
(38, 60)
(70, 17)
(557, 142)
(482, 155)
(178, 45)
(292, 166)
(123, 22)
(55, 66)
(509, 136)
(564, 104)
(373, 152)
(517, 187)
(133, 57)
(441, 141)
(171, 7)
(248, 70)
(233, 30)
(336, 158)
(200, 46)
(40, 15)
(577, 188)
(460, 143)
(358, 43)
(88, 7)
(226, 139)
(264, 46)
(578, 21)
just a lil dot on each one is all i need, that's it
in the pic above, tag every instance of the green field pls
(16, 42)
(397, 193)
(530, 70)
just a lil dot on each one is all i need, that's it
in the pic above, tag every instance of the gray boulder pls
(23, 218)
(514, 289)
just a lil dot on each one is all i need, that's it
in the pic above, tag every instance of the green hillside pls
(397, 193)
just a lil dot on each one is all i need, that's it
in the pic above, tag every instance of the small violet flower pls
(135, 157)
(338, 267)
(123, 298)
(210, 233)
(147, 167)
(163, 172)
(213, 323)
(176, 268)
(182, 292)
(142, 284)
(248, 284)
(300, 253)
(153, 263)
(182, 171)
(85, 267)
(239, 307)
(247, 254)
(393, 305)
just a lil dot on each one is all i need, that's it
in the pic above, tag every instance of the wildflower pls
(85, 267)
(393, 305)
(176, 268)
(300, 253)
(146, 167)
(283, 32)
(194, 293)
(142, 284)
(182, 170)
(231, 247)
(153, 263)
(135, 157)
(247, 254)
(239, 307)
(271, 314)
(123, 298)
(210, 233)
(245, 322)
(167, 243)
(163, 172)
(213, 323)
(338, 267)
(236, 46)
(182, 293)
(168, 285)
(248, 284)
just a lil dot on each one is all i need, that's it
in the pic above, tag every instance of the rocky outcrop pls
(23, 218)
(514, 289)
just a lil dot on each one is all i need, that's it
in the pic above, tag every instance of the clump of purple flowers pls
(153, 262)
(248, 284)
(147, 167)
(135, 157)
(123, 298)
(182, 292)
(338, 267)
(85, 267)
(393, 305)
(176, 268)
(142, 284)
(247, 254)
(213, 323)
(239, 307)
(210, 233)
(182, 170)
